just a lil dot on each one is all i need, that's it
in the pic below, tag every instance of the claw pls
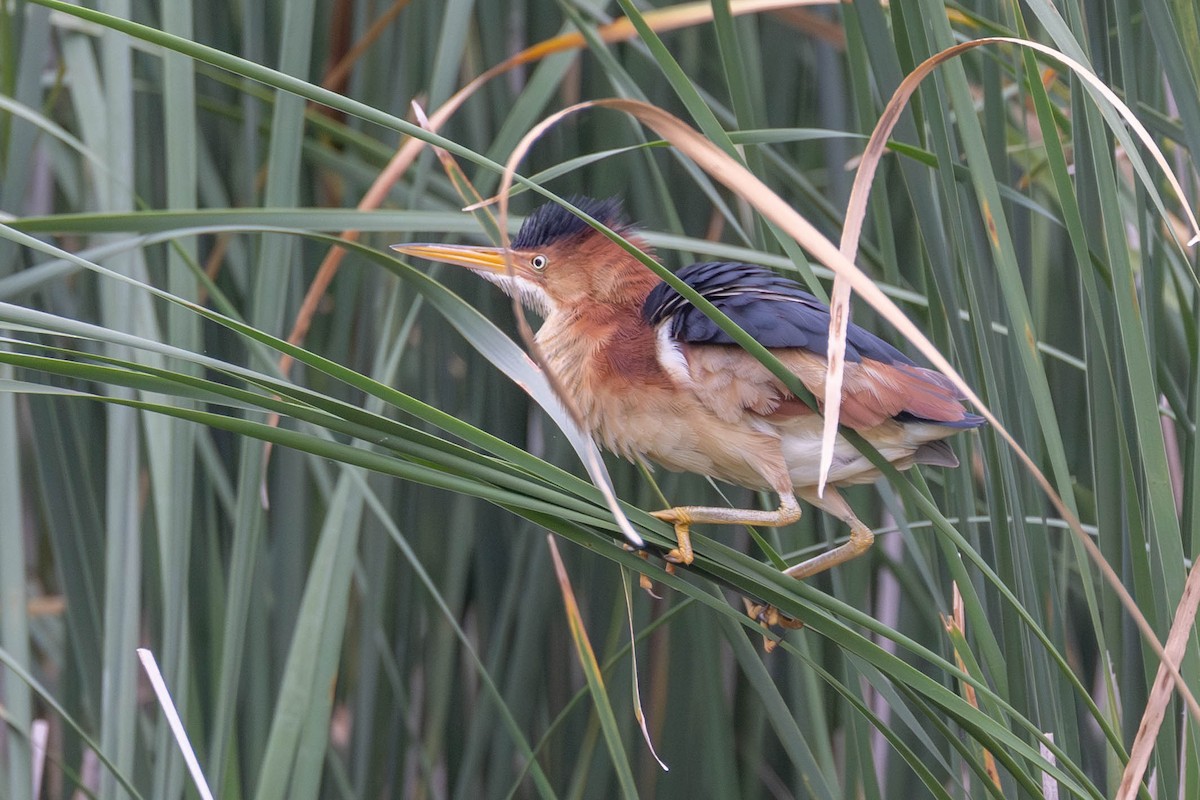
(767, 617)
(683, 554)
(644, 581)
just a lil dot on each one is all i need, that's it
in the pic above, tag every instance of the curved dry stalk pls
(840, 303)
(747, 185)
(662, 20)
(337, 74)
(638, 713)
(856, 208)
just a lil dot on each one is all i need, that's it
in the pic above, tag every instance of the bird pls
(655, 379)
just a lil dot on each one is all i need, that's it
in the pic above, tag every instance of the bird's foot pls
(768, 616)
(644, 581)
(683, 554)
(648, 586)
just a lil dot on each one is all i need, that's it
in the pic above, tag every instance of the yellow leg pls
(683, 517)
(861, 539)
(683, 553)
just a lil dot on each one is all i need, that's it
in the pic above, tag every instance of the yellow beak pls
(490, 259)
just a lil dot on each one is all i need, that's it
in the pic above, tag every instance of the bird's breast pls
(633, 407)
(607, 363)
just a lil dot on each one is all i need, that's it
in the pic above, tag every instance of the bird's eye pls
(538, 262)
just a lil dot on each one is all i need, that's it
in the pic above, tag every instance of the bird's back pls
(881, 383)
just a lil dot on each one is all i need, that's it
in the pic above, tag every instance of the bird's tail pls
(929, 396)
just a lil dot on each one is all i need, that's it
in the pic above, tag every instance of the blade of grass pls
(14, 630)
(293, 753)
(122, 517)
(170, 444)
(594, 677)
(266, 310)
(121, 778)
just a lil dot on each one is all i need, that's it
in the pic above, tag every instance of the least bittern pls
(655, 378)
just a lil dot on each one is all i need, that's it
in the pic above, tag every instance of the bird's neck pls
(601, 348)
(578, 336)
(617, 290)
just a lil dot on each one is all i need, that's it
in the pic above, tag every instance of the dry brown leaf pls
(956, 623)
(1160, 694)
(583, 644)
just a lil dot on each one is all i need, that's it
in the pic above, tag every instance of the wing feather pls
(881, 383)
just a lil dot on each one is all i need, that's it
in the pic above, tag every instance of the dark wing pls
(881, 383)
(776, 311)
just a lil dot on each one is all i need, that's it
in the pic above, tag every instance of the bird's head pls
(558, 261)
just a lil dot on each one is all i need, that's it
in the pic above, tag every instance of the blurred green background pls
(367, 607)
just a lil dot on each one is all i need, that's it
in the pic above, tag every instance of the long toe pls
(683, 537)
(768, 616)
(678, 556)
